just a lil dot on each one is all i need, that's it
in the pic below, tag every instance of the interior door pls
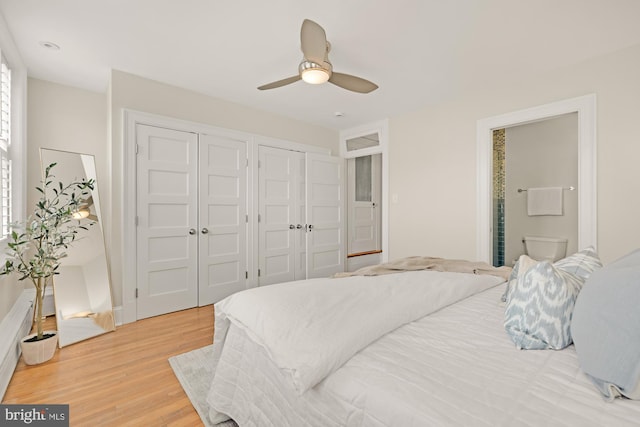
(363, 193)
(278, 171)
(167, 243)
(325, 215)
(222, 218)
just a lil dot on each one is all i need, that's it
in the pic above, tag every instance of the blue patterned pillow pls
(522, 265)
(540, 304)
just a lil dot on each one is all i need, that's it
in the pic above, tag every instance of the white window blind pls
(5, 142)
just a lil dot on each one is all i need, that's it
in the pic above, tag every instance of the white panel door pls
(363, 193)
(325, 215)
(300, 235)
(167, 243)
(223, 218)
(277, 207)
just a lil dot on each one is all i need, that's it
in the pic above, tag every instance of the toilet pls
(545, 248)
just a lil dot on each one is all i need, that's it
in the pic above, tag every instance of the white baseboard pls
(15, 326)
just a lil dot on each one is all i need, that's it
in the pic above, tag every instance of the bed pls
(419, 348)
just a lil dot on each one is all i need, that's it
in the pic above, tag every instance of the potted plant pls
(36, 250)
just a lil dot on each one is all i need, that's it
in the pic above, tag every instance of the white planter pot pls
(37, 352)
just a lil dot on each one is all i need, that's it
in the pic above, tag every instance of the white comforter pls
(456, 367)
(310, 328)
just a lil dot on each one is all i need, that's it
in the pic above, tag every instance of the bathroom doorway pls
(539, 155)
(585, 107)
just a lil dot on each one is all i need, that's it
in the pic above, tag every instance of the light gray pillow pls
(606, 328)
(540, 304)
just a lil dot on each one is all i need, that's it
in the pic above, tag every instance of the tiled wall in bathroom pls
(499, 183)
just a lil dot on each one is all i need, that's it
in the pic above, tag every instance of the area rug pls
(193, 370)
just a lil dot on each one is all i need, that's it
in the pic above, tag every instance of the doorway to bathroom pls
(585, 108)
(539, 158)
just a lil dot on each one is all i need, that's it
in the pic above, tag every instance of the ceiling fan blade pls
(280, 83)
(313, 41)
(353, 83)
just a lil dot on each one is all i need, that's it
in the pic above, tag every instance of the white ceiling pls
(420, 52)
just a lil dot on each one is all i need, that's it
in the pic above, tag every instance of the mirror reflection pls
(82, 290)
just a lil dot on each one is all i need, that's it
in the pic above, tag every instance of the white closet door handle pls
(205, 231)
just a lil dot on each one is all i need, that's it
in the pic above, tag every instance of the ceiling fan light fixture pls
(313, 73)
(315, 67)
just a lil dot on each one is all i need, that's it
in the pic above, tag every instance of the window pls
(363, 179)
(5, 142)
(361, 142)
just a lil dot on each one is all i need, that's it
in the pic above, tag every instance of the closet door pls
(302, 223)
(325, 207)
(167, 243)
(278, 205)
(300, 235)
(222, 218)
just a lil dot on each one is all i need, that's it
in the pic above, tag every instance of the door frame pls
(382, 129)
(585, 107)
(131, 118)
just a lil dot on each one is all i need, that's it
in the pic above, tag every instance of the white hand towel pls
(544, 201)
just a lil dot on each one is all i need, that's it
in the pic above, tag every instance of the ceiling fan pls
(315, 67)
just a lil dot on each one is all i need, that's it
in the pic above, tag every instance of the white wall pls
(128, 91)
(541, 154)
(69, 119)
(432, 156)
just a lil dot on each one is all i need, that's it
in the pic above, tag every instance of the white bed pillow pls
(540, 303)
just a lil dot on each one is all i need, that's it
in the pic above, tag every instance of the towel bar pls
(520, 190)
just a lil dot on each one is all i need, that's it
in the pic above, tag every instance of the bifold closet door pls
(325, 207)
(301, 224)
(167, 218)
(281, 203)
(222, 218)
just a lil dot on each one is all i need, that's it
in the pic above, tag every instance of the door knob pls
(299, 226)
(291, 226)
(192, 231)
(205, 231)
(310, 227)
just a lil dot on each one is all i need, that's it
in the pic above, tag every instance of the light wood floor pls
(121, 378)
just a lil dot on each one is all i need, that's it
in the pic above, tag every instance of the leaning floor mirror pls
(82, 289)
